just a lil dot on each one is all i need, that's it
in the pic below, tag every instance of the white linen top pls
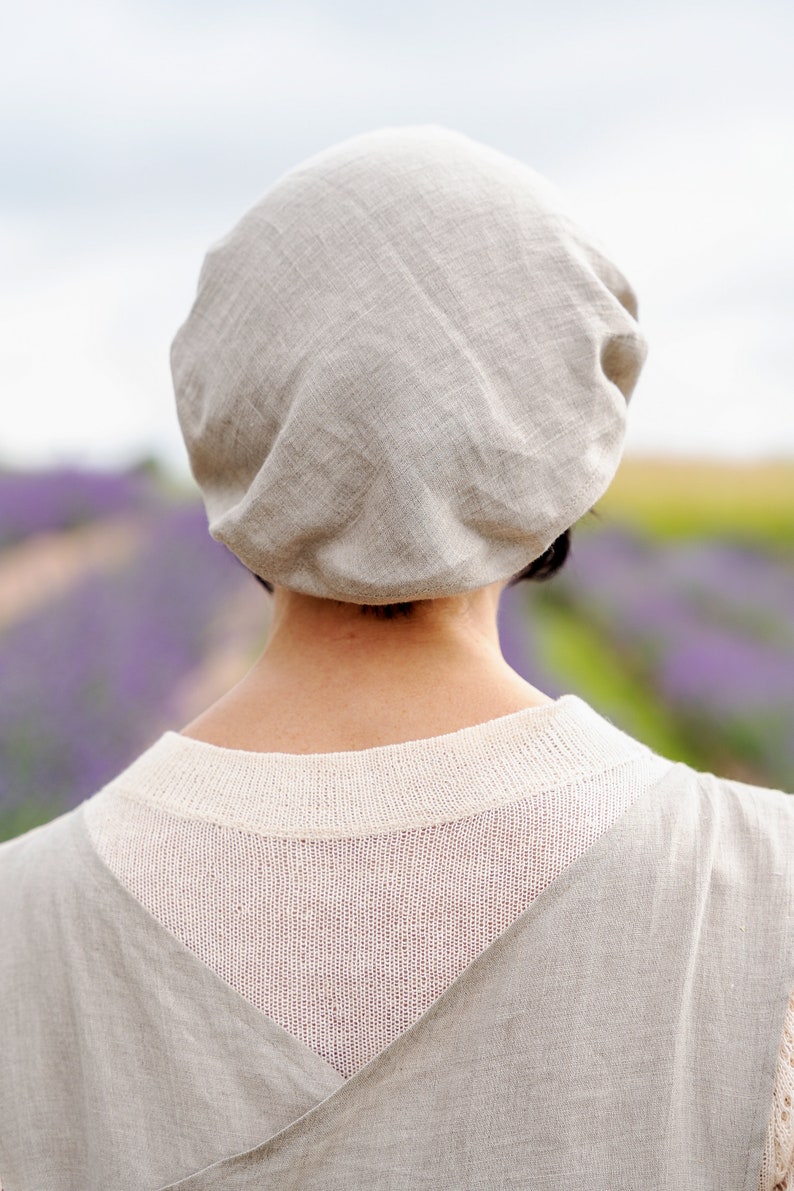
(341, 893)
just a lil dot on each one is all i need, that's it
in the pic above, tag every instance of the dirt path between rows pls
(43, 568)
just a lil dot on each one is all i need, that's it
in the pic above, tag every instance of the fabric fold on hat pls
(405, 372)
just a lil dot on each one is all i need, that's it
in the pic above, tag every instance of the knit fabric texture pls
(341, 893)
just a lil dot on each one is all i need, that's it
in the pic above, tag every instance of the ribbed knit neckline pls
(391, 787)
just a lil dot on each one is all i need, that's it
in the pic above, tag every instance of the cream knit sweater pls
(340, 893)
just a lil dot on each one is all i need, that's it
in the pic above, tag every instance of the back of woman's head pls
(405, 373)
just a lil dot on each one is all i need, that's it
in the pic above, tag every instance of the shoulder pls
(728, 793)
(751, 828)
(755, 804)
(32, 865)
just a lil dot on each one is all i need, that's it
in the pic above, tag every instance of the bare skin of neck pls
(332, 679)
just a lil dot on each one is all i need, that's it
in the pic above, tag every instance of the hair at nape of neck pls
(540, 569)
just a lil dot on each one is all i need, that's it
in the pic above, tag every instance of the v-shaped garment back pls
(622, 1032)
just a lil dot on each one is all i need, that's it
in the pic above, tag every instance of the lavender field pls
(87, 680)
(675, 616)
(117, 609)
(687, 645)
(65, 498)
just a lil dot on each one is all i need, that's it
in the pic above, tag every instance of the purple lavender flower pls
(708, 625)
(84, 682)
(32, 502)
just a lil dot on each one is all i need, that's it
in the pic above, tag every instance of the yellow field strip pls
(687, 496)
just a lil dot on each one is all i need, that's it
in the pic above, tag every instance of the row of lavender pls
(66, 497)
(85, 681)
(704, 628)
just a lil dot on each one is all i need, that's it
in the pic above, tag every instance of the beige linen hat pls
(405, 372)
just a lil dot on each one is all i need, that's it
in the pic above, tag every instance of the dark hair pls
(539, 570)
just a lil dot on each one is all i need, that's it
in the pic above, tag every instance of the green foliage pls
(586, 664)
(25, 816)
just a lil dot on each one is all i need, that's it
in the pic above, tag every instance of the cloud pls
(134, 135)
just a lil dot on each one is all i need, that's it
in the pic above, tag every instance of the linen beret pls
(405, 372)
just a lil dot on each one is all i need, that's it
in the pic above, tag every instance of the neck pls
(332, 678)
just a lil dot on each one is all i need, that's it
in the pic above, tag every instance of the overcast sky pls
(135, 134)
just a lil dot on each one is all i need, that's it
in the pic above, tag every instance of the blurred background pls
(134, 135)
